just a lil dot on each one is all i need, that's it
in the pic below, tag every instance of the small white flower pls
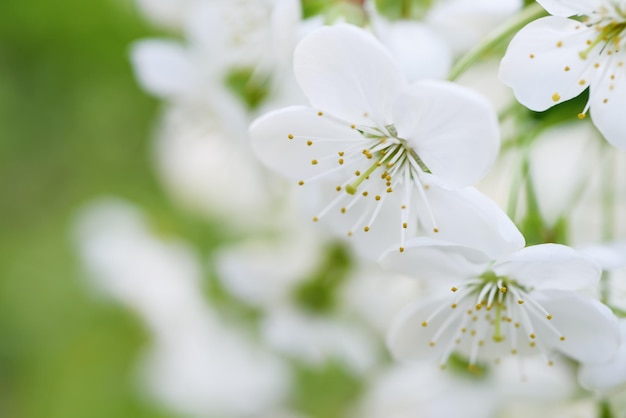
(385, 147)
(525, 303)
(555, 58)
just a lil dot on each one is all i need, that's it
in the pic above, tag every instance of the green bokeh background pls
(73, 126)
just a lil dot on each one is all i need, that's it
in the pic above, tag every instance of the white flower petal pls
(435, 260)
(452, 128)
(608, 100)
(409, 339)
(550, 266)
(590, 329)
(270, 138)
(419, 51)
(344, 70)
(541, 72)
(606, 375)
(567, 8)
(163, 68)
(469, 218)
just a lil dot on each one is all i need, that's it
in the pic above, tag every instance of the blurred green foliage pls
(73, 126)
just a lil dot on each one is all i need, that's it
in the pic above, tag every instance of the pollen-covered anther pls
(377, 198)
(435, 230)
(531, 56)
(343, 210)
(549, 317)
(424, 324)
(401, 249)
(562, 338)
(559, 44)
(405, 225)
(309, 142)
(338, 188)
(566, 68)
(432, 343)
(532, 336)
(315, 219)
(320, 113)
(301, 183)
(582, 82)
(503, 289)
(581, 115)
(453, 306)
(556, 97)
(365, 193)
(314, 162)
(341, 154)
(389, 190)
(340, 161)
(366, 229)
(454, 289)
(521, 302)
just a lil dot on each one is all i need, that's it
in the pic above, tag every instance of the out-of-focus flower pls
(524, 303)
(555, 58)
(318, 339)
(197, 365)
(386, 145)
(207, 170)
(422, 390)
(608, 375)
(237, 56)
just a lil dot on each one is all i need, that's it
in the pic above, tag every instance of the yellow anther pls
(566, 68)
(338, 188)
(514, 351)
(463, 330)
(314, 162)
(377, 198)
(556, 97)
(531, 56)
(405, 225)
(340, 153)
(343, 210)
(435, 230)
(454, 289)
(320, 113)
(290, 136)
(424, 324)
(596, 65)
(401, 249)
(350, 233)
(352, 126)
(559, 44)
(315, 219)
(365, 193)
(562, 338)
(503, 289)
(389, 190)
(432, 343)
(357, 173)
(520, 302)
(478, 306)
(532, 344)
(532, 336)
(367, 228)
(473, 332)
(301, 182)
(581, 116)
(549, 317)
(309, 142)
(605, 100)
(453, 306)
(340, 161)
(517, 325)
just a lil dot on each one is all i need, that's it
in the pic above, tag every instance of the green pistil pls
(497, 333)
(352, 187)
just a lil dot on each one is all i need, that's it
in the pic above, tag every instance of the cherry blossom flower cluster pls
(420, 181)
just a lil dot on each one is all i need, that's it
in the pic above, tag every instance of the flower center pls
(608, 33)
(493, 313)
(383, 163)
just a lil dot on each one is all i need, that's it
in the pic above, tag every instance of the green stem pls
(501, 33)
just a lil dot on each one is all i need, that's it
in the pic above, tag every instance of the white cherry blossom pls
(523, 304)
(386, 149)
(555, 58)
